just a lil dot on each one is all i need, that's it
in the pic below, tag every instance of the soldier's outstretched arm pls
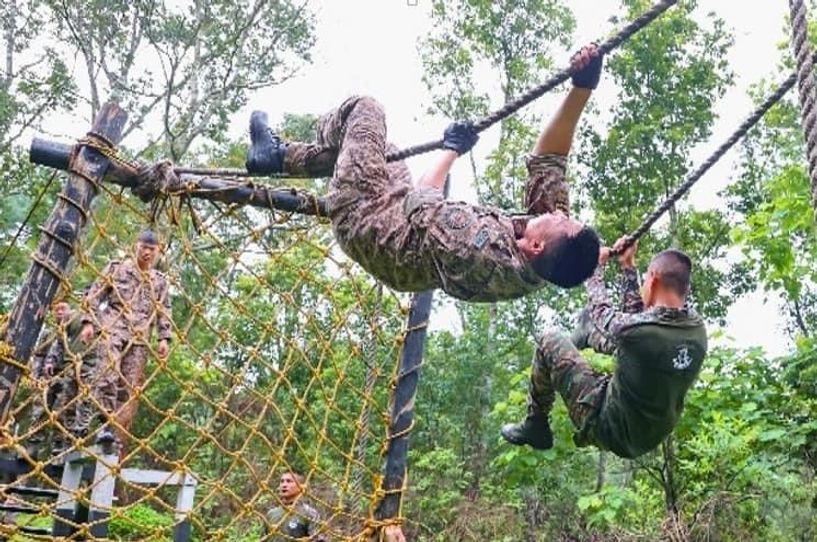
(557, 137)
(435, 176)
(459, 138)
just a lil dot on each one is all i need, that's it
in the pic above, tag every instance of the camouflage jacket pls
(125, 299)
(300, 522)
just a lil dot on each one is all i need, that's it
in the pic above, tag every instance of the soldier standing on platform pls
(126, 303)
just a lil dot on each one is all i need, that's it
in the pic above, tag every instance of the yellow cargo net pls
(282, 359)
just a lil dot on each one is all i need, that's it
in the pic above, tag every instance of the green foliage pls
(141, 522)
(669, 76)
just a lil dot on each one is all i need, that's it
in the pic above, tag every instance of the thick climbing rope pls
(806, 86)
(507, 110)
(554, 80)
(696, 175)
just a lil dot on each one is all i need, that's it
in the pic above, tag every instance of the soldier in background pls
(659, 345)
(79, 362)
(293, 519)
(127, 301)
(48, 369)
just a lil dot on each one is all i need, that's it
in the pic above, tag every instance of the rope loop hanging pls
(806, 86)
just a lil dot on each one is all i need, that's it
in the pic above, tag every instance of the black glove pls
(460, 136)
(588, 77)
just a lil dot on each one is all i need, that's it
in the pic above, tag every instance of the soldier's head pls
(60, 309)
(147, 249)
(667, 279)
(561, 250)
(290, 486)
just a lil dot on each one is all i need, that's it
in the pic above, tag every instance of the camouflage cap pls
(148, 237)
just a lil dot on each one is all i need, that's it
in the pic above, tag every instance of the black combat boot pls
(581, 334)
(266, 154)
(533, 431)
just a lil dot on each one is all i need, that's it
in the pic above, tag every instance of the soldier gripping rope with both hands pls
(410, 237)
(659, 345)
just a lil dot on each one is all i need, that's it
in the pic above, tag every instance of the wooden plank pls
(55, 252)
(149, 477)
(184, 506)
(102, 495)
(65, 510)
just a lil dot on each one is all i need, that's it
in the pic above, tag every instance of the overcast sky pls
(370, 46)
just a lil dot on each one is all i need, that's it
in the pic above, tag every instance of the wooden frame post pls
(59, 236)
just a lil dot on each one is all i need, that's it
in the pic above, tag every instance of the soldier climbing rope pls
(298, 385)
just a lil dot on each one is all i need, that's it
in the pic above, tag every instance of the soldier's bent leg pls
(581, 388)
(558, 367)
(133, 381)
(534, 430)
(588, 335)
(360, 172)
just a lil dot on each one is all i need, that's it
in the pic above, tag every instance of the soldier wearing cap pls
(127, 301)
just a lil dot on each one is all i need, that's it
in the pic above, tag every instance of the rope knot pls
(156, 179)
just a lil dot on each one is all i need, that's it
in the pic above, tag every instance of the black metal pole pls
(405, 393)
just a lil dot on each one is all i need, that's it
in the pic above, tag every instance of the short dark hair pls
(148, 237)
(571, 260)
(674, 268)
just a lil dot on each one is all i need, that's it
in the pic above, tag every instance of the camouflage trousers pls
(119, 380)
(558, 366)
(350, 147)
(42, 404)
(65, 398)
(72, 403)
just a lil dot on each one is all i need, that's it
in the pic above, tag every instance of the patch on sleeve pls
(457, 218)
(482, 237)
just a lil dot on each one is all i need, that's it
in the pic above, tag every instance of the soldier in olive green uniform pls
(293, 519)
(659, 345)
(410, 237)
(127, 302)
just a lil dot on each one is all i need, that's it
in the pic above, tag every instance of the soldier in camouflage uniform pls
(293, 519)
(412, 239)
(659, 345)
(78, 363)
(48, 369)
(127, 302)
